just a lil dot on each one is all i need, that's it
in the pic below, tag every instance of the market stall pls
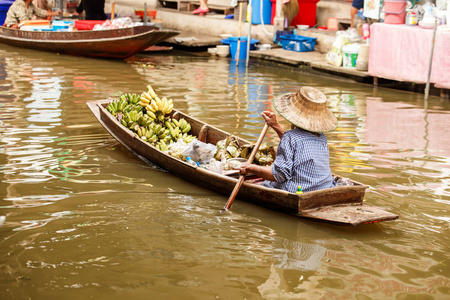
(401, 52)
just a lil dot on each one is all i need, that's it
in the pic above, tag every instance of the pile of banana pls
(150, 119)
(156, 108)
(125, 104)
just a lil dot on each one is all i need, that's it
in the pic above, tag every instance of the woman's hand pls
(270, 118)
(243, 169)
(271, 121)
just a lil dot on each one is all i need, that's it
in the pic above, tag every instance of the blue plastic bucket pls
(266, 13)
(4, 6)
(233, 42)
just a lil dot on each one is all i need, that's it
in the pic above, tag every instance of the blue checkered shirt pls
(302, 160)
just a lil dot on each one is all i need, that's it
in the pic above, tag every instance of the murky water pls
(84, 216)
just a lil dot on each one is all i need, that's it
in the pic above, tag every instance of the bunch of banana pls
(183, 125)
(117, 106)
(156, 108)
(130, 98)
(131, 119)
(178, 129)
(147, 134)
(161, 145)
(145, 121)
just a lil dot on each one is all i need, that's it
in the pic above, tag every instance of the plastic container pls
(394, 11)
(4, 6)
(233, 42)
(266, 12)
(280, 33)
(298, 43)
(350, 55)
(362, 61)
(411, 18)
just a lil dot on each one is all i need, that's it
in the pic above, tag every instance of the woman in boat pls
(302, 156)
(24, 10)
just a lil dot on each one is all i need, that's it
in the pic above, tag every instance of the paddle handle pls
(250, 160)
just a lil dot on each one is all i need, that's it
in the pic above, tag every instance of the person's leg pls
(204, 4)
(353, 12)
(356, 6)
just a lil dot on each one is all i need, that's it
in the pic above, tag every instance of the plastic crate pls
(58, 25)
(298, 43)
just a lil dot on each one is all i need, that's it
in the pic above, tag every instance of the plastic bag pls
(343, 182)
(215, 166)
(343, 37)
(199, 151)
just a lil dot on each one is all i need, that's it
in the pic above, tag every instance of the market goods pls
(150, 118)
(156, 108)
(230, 148)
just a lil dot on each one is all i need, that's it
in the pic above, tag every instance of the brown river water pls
(86, 219)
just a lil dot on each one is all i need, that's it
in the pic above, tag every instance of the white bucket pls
(350, 55)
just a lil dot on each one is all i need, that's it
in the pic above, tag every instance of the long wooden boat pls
(341, 205)
(108, 43)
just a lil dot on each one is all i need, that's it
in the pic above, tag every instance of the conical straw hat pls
(306, 109)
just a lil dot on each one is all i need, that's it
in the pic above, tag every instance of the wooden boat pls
(340, 205)
(109, 43)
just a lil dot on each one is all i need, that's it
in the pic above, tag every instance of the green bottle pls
(299, 190)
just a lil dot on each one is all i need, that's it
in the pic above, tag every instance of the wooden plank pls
(332, 196)
(350, 214)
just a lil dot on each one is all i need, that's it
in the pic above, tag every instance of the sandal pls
(201, 11)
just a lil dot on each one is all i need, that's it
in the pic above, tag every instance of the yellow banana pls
(187, 128)
(146, 96)
(151, 115)
(154, 105)
(151, 91)
(169, 108)
(159, 103)
(144, 101)
(165, 108)
(150, 108)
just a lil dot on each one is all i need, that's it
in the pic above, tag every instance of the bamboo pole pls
(427, 87)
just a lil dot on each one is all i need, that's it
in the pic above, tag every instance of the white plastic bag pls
(199, 151)
(215, 166)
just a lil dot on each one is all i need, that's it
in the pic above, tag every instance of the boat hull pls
(113, 43)
(340, 205)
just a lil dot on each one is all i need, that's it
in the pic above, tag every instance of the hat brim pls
(311, 120)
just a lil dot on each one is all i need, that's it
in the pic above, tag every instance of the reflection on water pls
(82, 211)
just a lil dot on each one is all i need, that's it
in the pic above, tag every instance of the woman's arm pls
(264, 172)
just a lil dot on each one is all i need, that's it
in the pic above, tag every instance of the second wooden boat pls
(108, 43)
(340, 205)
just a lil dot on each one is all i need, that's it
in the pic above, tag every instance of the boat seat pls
(203, 134)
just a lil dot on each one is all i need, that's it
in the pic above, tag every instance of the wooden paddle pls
(249, 161)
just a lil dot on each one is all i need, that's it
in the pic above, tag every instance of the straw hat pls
(306, 109)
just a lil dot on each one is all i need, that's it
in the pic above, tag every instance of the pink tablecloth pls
(401, 52)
